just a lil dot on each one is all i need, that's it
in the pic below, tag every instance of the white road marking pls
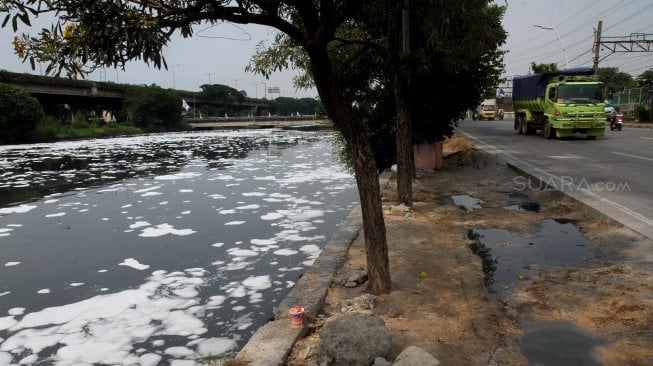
(632, 156)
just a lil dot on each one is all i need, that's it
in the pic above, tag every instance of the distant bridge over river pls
(287, 122)
(54, 92)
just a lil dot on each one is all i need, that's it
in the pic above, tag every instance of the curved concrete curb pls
(272, 343)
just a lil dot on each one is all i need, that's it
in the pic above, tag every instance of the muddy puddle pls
(525, 206)
(507, 257)
(558, 343)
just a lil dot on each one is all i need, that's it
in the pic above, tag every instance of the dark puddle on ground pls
(507, 259)
(525, 206)
(558, 343)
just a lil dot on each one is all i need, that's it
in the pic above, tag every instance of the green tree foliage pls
(615, 80)
(154, 108)
(645, 79)
(222, 93)
(540, 68)
(460, 62)
(19, 114)
(285, 106)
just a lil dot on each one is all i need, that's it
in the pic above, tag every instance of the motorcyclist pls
(613, 113)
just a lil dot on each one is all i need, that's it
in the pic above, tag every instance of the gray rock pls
(362, 304)
(380, 361)
(354, 278)
(354, 339)
(415, 356)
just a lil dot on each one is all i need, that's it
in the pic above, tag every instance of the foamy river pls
(158, 249)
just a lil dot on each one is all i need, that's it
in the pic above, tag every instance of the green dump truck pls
(558, 104)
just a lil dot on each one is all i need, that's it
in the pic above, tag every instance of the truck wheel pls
(549, 132)
(524, 127)
(517, 126)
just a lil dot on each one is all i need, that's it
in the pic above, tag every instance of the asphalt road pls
(613, 174)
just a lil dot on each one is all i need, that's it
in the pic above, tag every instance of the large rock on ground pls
(414, 356)
(354, 339)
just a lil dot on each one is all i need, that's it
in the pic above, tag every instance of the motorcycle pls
(617, 122)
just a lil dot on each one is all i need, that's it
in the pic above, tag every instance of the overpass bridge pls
(285, 122)
(54, 92)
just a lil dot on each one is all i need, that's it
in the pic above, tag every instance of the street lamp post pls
(236, 80)
(564, 51)
(174, 86)
(256, 86)
(209, 74)
(265, 90)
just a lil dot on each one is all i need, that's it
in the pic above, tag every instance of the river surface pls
(158, 249)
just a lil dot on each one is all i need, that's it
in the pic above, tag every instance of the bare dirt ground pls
(439, 300)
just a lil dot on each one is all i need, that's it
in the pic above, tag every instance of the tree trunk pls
(404, 141)
(367, 178)
(400, 78)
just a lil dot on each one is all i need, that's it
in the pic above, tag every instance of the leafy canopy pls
(19, 114)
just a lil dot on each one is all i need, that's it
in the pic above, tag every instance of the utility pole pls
(597, 47)
(634, 42)
(209, 74)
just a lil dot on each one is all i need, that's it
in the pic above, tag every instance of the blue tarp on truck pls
(534, 86)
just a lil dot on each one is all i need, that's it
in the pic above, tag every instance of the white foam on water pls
(186, 190)
(164, 229)
(149, 194)
(11, 264)
(103, 329)
(43, 291)
(139, 224)
(249, 207)
(177, 176)
(16, 311)
(145, 190)
(254, 194)
(272, 216)
(234, 223)
(227, 212)
(263, 242)
(17, 209)
(285, 252)
(237, 252)
(217, 245)
(133, 263)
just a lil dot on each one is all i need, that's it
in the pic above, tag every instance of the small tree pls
(615, 80)
(222, 93)
(154, 108)
(19, 114)
(540, 68)
(645, 79)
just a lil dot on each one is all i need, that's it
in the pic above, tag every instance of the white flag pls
(185, 105)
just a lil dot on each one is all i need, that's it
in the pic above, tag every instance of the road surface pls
(613, 174)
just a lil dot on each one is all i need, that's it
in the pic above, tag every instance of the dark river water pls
(158, 249)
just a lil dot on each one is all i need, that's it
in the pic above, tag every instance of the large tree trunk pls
(367, 178)
(400, 77)
(404, 141)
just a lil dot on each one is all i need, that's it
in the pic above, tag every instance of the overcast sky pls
(192, 60)
(573, 24)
